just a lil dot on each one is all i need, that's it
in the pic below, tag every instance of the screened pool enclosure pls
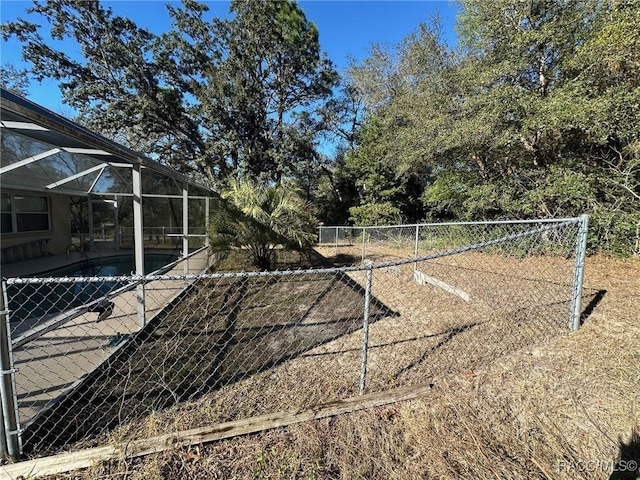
(65, 190)
(75, 204)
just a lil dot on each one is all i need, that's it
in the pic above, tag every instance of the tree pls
(117, 85)
(332, 186)
(387, 163)
(14, 80)
(276, 51)
(536, 115)
(260, 219)
(598, 108)
(563, 81)
(336, 191)
(208, 97)
(342, 115)
(373, 168)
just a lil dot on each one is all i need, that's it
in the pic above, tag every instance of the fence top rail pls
(448, 224)
(317, 271)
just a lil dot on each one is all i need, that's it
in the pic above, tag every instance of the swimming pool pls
(111, 266)
(36, 301)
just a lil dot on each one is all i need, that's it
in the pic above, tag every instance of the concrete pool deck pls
(53, 363)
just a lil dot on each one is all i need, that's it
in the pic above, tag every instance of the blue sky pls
(347, 28)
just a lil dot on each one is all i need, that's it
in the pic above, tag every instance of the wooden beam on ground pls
(66, 462)
(422, 279)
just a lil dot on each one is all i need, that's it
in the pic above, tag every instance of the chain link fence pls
(91, 359)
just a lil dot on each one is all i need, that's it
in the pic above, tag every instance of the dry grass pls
(532, 412)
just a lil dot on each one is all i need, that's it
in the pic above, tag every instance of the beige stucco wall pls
(60, 233)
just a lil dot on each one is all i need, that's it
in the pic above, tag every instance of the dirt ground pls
(543, 403)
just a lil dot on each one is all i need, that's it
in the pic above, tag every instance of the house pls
(67, 191)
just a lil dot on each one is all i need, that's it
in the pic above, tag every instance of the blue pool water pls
(111, 266)
(32, 301)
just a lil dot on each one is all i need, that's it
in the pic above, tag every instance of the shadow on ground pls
(627, 467)
(218, 332)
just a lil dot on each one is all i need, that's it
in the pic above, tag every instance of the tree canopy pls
(211, 97)
(535, 113)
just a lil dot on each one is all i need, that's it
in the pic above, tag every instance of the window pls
(24, 213)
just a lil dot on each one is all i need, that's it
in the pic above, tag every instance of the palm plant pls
(260, 219)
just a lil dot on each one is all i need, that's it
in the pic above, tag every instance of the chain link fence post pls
(578, 273)
(415, 249)
(185, 229)
(4, 451)
(140, 305)
(138, 240)
(3, 437)
(365, 325)
(207, 221)
(7, 372)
